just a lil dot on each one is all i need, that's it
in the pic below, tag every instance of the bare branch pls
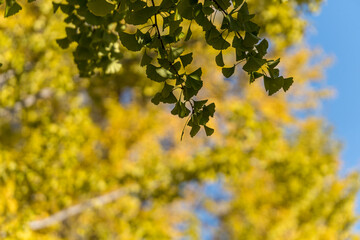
(77, 209)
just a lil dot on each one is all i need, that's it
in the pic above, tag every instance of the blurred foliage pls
(65, 140)
(283, 20)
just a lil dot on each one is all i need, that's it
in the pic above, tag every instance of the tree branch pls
(77, 209)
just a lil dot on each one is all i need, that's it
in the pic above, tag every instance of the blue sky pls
(336, 29)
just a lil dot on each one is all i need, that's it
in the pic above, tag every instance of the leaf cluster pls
(157, 29)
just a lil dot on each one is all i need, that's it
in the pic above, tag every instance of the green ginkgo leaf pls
(219, 59)
(194, 130)
(208, 131)
(12, 7)
(287, 83)
(145, 60)
(100, 7)
(228, 72)
(186, 59)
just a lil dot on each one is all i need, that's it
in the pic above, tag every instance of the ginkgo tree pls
(160, 30)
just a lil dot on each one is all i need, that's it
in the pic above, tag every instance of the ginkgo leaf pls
(113, 67)
(129, 41)
(175, 53)
(287, 83)
(262, 47)
(194, 130)
(253, 64)
(208, 131)
(186, 59)
(145, 60)
(141, 16)
(100, 7)
(219, 59)
(272, 85)
(228, 72)
(12, 7)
